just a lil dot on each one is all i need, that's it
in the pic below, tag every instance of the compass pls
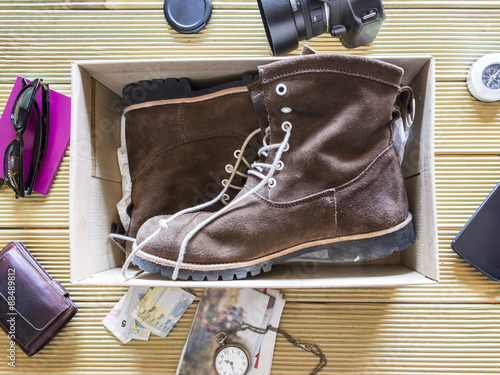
(483, 78)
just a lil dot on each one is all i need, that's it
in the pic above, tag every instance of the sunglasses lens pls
(12, 167)
(23, 107)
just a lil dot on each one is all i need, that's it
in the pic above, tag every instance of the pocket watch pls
(232, 358)
(483, 78)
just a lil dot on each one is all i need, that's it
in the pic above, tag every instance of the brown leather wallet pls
(33, 306)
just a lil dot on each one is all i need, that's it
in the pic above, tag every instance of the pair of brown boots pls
(326, 175)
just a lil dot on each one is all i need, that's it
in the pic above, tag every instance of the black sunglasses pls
(13, 158)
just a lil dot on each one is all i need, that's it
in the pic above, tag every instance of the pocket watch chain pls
(314, 349)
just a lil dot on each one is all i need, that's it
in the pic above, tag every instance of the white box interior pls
(95, 179)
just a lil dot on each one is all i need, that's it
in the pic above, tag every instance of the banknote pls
(138, 332)
(128, 325)
(161, 308)
(112, 322)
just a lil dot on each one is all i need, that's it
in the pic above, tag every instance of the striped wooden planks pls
(51, 39)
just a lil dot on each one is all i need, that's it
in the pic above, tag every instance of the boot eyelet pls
(286, 126)
(226, 197)
(237, 153)
(229, 168)
(287, 147)
(281, 89)
(271, 183)
(286, 110)
(280, 166)
(225, 182)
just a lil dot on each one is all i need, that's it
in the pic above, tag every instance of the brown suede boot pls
(178, 148)
(328, 177)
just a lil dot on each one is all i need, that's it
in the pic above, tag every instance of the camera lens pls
(288, 21)
(279, 24)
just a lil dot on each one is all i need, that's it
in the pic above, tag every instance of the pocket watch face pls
(231, 359)
(491, 76)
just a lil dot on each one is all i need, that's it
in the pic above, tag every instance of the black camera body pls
(355, 22)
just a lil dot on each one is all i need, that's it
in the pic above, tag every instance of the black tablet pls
(479, 240)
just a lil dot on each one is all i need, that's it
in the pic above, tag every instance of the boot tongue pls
(259, 104)
(306, 50)
(258, 99)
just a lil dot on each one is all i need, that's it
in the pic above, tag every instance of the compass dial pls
(491, 77)
(483, 78)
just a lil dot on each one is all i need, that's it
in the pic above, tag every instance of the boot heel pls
(372, 248)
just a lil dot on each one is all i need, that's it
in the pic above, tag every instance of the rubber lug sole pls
(173, 88)
(358, 250)
(372, 248)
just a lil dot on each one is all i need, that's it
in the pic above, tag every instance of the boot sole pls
(358, 248)
(173, 88)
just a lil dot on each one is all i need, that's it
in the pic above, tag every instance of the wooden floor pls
(452, 328)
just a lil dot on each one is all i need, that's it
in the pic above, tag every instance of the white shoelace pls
(163, 223)
(257, 169)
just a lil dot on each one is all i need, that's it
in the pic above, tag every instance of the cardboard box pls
(95, 180)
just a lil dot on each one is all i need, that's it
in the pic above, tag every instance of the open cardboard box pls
(96, 187)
